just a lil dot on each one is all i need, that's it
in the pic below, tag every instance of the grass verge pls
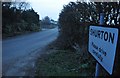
(58, 62)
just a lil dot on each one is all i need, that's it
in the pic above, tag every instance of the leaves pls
(75, 18)
(18, 20)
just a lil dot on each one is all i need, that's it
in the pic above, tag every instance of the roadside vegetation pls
(68, 55)
(48, 23)
(65, 63)
(18, 18)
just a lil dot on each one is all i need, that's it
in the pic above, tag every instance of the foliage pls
(48, 23)
(17, 19)
(46, 20)
(64, 63)
(76, 17)
(111, 11)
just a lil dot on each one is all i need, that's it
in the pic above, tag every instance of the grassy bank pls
(56, 62)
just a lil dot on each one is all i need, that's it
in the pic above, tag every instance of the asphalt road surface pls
(18, 53)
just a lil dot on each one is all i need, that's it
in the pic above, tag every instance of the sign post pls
(102, 46)
(98, 67)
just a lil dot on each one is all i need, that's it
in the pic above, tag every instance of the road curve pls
(18, 49)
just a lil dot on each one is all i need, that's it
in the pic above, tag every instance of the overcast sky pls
(50, 8)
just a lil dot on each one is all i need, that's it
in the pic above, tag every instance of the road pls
(18, 52)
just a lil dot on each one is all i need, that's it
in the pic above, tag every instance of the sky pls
(50, 8)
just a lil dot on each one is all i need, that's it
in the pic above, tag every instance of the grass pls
(65, 63)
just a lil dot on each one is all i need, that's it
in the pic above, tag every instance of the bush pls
(17, 21)
(76, 17)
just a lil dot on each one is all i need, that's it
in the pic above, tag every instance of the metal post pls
(101, 18)
(98, 67)
(97, 71)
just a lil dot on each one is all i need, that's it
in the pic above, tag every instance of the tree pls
(75, 18)
(111, 11)
(23, 19)
(46, 20)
